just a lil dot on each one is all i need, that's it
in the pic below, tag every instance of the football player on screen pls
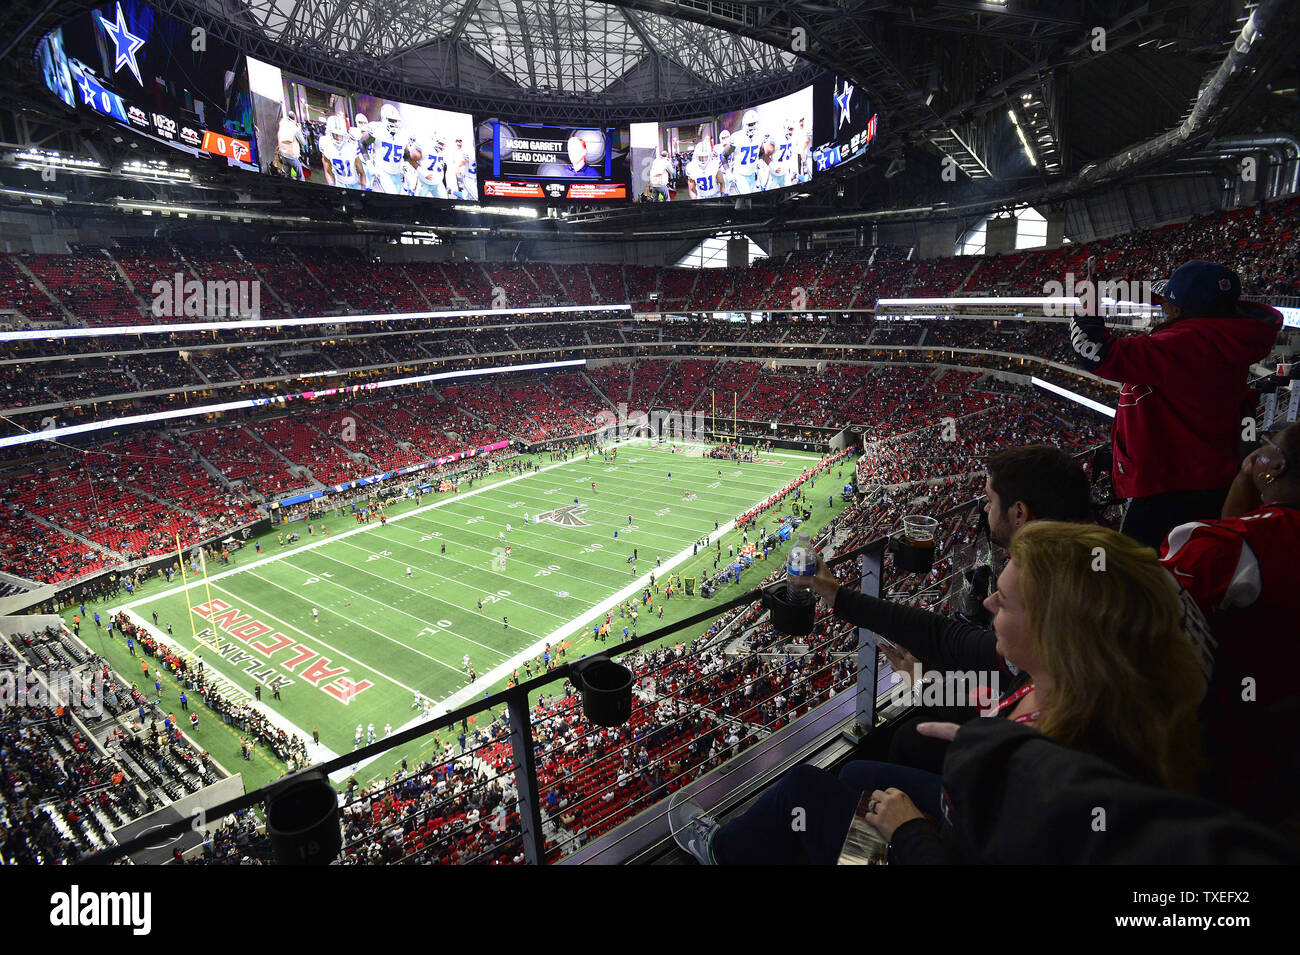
(726, 155)
(362, 133)
(782, 159)
(703, 178)
(464, 171)
(431, 170)
(747, 147)
(803, 146)
(390, 142)
(340, 156)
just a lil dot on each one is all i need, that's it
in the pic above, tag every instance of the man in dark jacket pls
(1177, 431)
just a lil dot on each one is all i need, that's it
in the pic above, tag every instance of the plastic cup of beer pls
(919, 530)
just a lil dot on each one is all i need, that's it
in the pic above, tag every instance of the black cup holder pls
(606, 689)
(911, 557)
(302, 819)
(791, 619)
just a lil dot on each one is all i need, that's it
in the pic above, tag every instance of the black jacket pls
(1011, 795)
(939, 642)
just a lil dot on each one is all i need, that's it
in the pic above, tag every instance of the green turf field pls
(381, 637)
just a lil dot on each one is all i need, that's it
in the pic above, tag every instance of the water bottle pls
(802, 563)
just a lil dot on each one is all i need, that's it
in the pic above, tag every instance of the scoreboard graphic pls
(155, 75)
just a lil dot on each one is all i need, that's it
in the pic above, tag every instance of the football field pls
(351, 623)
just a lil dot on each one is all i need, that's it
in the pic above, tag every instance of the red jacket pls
(1178, 426)
(1243, 574)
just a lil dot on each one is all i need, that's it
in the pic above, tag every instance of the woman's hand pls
(825, 584)
(1243, 495)
(889, 809)
(902, 661)
(947, 731)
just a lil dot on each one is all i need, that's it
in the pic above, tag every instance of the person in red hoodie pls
(1177, 434)
(1243, 573)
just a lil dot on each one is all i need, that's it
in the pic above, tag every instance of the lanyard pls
(1015, 698)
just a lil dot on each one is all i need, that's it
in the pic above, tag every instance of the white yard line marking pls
(329, 540)
(353, 622)
(456, 581)
(391, 608)
(488, 554)
(365, 666)
(481, 687)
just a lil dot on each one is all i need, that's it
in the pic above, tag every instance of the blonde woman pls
(1096, 623)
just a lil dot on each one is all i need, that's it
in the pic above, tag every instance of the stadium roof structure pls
(566, 47)
(1032, 101)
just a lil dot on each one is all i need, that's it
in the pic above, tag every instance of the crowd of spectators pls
(243, 715)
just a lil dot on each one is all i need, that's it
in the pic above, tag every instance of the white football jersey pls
(431, 179)
(781, 172)
(388, 149)
(746, 154)
(342, 158)
(705, 178)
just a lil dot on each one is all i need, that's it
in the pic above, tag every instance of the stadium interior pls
(594, 243)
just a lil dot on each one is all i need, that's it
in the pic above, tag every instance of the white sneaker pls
(693, 829)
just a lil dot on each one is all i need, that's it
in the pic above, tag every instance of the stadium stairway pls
(280, 300)
(145, 310)
(292, 466)
(21, 266)
(208, 467)
(307, 270)
(603, 396)
(595, 293)
(375, 421)
(85, 541)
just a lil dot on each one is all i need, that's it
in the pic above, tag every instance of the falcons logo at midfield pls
(568, 516)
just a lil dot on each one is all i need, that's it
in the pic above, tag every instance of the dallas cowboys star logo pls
(842, 103)
(125, 44)
(87, 88)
